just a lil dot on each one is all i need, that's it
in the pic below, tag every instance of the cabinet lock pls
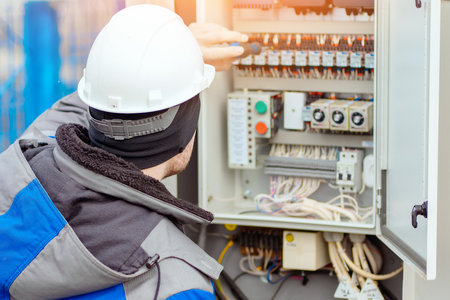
(419, 210)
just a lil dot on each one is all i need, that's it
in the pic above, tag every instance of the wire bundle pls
(362, 263)
(300, 151)
(305, 73)
(291, 195)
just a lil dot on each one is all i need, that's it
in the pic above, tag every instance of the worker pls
(83, 214)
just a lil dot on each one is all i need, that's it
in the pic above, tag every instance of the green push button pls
(261, 107)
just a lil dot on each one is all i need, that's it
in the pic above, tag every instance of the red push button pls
(261, 128)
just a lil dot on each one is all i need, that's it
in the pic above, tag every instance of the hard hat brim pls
(209, 72)
(208, 76)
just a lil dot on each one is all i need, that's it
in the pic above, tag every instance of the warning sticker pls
(370, 291)
(345, 290)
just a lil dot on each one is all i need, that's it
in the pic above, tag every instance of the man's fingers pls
(210, 34)
(205, 27)
(218, 53)
(223, 65)
(223, 36)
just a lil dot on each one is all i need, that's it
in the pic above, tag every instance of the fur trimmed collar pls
(74, 141)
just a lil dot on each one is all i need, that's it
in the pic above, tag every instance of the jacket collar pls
(106, 173)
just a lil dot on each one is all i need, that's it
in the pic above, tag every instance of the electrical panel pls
(299, 119)
(318, 131)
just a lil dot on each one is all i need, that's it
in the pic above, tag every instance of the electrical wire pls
(279, 288)
(290, 195)
(302, 278)
(239, 276)
(362, 272)
(371, 258)
(362, 257)
(357, 262)
(342, 267)
(221, 256)
(219, 295)
(237, 292)
(268, 276)
(253, 270)
(336, 266)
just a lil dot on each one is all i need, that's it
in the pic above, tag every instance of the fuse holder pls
(261, 128)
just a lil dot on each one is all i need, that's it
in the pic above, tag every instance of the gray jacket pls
(80, 221)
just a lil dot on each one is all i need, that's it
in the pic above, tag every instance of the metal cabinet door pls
(407, 123)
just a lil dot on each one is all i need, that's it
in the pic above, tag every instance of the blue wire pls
(279, 279)
(260, 210)
(275, 261)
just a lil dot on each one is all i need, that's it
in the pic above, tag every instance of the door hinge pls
(378, 204)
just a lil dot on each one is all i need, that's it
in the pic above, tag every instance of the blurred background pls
(43, 50)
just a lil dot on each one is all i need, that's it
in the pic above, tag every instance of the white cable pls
(356, 260)
(290, 195)
(337, 268)
(371, 258)
(251, 262)
(363, 188)
(342, 266)
(362, 272)
(244, 269)
(362, 257)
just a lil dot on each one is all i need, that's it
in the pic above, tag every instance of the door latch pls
(418, 3)
(419, 210)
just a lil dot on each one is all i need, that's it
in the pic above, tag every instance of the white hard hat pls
(145, 59)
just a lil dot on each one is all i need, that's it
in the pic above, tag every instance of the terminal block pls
(309, 56)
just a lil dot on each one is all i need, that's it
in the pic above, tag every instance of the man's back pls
(61, 238)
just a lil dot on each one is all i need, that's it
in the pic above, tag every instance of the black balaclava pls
(152, 149)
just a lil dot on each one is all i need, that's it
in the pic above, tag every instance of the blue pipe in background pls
(42, 59)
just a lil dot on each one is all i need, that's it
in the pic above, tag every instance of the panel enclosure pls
(404, 140)
(229, 193)
(407, 125)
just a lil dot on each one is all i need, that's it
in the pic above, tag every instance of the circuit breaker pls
(349, 171)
